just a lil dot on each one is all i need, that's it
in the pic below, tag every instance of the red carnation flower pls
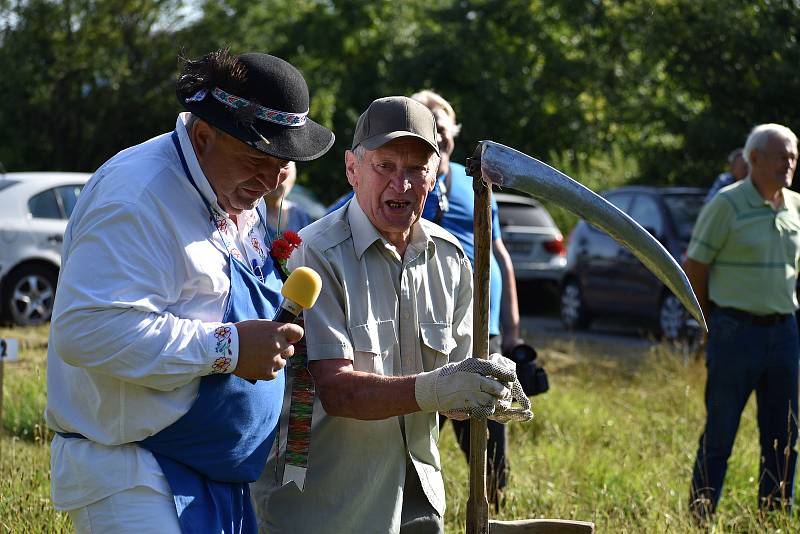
(292, 238)
(281, 249)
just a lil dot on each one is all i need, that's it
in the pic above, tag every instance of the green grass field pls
(612, 442)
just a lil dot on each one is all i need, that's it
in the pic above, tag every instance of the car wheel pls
(29, 295)
(672, 318)
(573, 311)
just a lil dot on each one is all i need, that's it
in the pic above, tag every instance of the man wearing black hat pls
(388, 344)
(165, 378)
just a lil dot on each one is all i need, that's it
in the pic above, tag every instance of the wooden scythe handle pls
(478, 505)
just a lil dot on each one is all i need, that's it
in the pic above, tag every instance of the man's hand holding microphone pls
(264, 346)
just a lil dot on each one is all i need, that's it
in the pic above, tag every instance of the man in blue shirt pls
(739, 169)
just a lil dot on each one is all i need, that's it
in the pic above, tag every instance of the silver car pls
(34, 208)
(533, 240)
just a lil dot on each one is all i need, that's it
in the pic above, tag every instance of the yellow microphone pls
(300, 291)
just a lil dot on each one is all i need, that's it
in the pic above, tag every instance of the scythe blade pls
(511, 169)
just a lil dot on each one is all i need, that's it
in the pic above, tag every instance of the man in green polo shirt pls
(742, 262)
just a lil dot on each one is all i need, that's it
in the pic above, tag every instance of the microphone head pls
(302, 287)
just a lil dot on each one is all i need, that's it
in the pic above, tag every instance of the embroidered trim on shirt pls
(233, 251)
(223, 349)
(257, 247)
(252, 219)
(248, 227)
(221, 223)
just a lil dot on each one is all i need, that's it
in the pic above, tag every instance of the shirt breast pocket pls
(373, 345)
(790, 229)
(437, 343)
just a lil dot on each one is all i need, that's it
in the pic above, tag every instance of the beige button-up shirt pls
(391, 316)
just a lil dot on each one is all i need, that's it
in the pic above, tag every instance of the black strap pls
(761, 320)
(71, 435)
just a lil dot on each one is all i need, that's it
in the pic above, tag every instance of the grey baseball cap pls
(392, 117)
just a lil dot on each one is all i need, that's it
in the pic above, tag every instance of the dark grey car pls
(604, 279)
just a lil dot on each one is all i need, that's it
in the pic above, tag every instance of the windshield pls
(523, 215)
(684, 210)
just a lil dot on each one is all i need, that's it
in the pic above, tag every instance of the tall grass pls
(612, 442)
(25, 447)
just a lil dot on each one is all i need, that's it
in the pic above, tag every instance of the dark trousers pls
(742, 357)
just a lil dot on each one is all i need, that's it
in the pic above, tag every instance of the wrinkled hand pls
(470, 386)
(264, 347)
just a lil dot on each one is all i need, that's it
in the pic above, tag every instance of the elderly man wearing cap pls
(164, 377)
(388, 343)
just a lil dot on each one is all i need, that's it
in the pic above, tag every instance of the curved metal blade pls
(509, 168)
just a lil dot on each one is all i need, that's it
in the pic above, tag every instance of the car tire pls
(29, 295)
(573, 309)
(672, 318)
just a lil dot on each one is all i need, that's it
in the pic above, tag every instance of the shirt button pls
(406, 316)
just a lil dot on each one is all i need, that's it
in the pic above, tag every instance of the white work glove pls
(504, 411)
(470, 387)
(510, 367)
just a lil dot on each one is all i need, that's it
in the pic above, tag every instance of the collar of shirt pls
(194, 166)
(755, 200)
(365, 234)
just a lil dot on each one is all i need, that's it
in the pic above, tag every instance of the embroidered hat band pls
(228, 91)
(264, 113)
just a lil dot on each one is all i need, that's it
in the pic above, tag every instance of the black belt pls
(760, 320)
(71, 435)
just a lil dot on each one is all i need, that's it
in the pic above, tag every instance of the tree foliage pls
(613, 91)
(84, 79)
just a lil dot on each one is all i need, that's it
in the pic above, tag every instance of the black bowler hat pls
(257, 98)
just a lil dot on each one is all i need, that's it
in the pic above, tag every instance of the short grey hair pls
(761, 134)
(360, 151)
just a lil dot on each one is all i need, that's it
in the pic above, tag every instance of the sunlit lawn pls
(25, 460)
(612, 442)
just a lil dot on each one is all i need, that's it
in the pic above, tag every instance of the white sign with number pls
(9, 348)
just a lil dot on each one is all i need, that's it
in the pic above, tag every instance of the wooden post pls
(478, 505)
